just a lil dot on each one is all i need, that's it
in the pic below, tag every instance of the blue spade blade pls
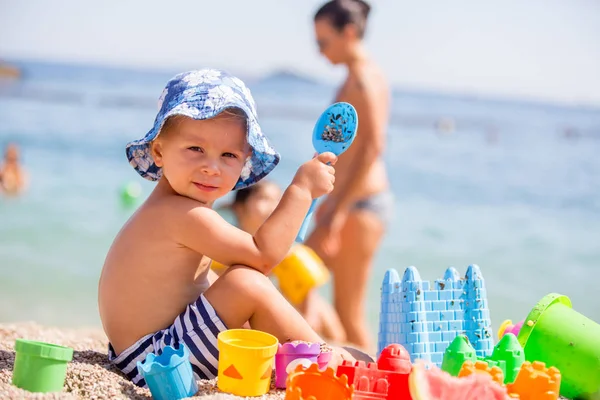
(334, 131)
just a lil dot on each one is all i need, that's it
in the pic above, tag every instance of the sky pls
(538, 49)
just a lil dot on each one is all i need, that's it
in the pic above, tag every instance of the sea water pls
(509, 185)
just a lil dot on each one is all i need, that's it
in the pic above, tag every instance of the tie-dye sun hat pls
(203, 94)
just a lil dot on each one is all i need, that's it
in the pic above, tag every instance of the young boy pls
(156, 287)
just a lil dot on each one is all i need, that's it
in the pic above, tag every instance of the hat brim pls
(263, 160)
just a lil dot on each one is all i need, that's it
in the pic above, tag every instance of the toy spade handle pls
(306, 222)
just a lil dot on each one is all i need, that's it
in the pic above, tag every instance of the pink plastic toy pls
(324, 358)
(508, 327)
(289, 355)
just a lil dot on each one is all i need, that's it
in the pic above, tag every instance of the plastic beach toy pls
(245, 361)
(324, 358)
(130, 194)
(560, 337)
(314, 384)
(334, 131)
(169, 376)
(299, 272)
(508, 327)
(40, 367)
(289, 354)
(508, 356)
(434, 384)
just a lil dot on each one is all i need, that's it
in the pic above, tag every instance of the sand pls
(89, 375)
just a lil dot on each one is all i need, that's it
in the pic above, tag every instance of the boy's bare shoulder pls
(173, 210)
(162, 221)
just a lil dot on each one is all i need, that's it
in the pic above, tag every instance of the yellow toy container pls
(246, 360)
(217, 267)
(300, 272)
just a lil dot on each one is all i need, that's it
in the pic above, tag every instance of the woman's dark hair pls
(344, 12)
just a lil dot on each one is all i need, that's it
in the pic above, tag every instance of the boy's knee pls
(244, 277)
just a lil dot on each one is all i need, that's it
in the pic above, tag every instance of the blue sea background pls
(510, 185)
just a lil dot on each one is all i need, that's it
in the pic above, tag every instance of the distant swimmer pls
(445, 126)
(492, 135)
(571, 133)
(13, 178)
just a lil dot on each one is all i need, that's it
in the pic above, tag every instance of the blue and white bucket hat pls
(203, 94)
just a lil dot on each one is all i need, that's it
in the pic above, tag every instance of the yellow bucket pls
(246, 361)
(300, 272)
(217, 267)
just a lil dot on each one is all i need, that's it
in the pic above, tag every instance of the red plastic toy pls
(388, 379)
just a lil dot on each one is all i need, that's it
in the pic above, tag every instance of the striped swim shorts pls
(197, 327)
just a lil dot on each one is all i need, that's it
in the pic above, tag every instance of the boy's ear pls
(156, 152)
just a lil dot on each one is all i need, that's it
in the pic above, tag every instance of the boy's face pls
(202, 159)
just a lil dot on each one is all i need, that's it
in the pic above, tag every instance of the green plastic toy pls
(459, 351)
(508, 355)
(130, 194)
(40, 367)
(559, 336)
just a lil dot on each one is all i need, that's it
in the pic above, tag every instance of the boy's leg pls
(212, 278)
(243, 294)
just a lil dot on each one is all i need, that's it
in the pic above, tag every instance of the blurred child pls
(251, 207)
(154, 288)
(13, 178)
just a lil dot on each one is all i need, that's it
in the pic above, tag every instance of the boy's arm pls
(206, 232)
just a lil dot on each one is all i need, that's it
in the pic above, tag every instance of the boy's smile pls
(205, 188)
(202, 159)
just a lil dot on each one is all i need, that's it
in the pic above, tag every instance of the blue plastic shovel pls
(334, 131)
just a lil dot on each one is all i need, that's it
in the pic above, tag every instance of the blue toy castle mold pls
(169, 376)
(425, 318)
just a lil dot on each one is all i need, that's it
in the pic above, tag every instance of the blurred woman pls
(351, 221)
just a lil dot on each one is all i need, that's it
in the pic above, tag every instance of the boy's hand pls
(316, 176)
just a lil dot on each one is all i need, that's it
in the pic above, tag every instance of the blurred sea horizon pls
(510, 185)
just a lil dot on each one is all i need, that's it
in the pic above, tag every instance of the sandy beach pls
(89, 375)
